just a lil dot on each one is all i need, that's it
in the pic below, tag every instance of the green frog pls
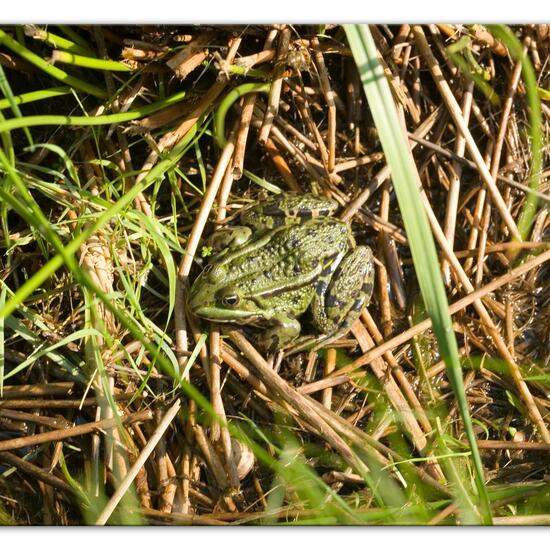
(288, 256)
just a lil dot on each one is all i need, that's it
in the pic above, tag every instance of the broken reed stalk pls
(138, 464)
(57, 435)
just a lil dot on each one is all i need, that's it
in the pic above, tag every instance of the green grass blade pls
(116, 118)
(89, 62)
(56, 41)
(5, 88)
(405, 182)
(38, 95)
(49, 69)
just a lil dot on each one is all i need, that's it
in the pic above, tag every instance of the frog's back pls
(286, 209)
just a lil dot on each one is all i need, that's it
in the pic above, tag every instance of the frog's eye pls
(230, 300)
(207, 269)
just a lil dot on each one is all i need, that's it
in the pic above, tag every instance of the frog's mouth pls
(213, 313)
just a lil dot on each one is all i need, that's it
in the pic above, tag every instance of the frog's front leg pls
(340, 297)
(284, 328)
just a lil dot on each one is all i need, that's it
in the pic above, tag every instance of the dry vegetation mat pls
(123, 149)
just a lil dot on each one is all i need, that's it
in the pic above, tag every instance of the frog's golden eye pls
(230, 300)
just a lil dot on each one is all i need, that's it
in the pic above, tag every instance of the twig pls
(329, 98)
(276, 86)
(454, 308)
(454, 185)
(456, 114)
(142, 458)
(57, 435)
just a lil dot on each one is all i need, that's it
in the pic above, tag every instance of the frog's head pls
(212, 298)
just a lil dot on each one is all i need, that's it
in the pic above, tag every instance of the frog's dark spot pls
(297, 269)
(269, 249)
(320, 287)
(294, 241)
(358, 304)
(367, 288)
(274, 211)
(328, 270)
(331, 301)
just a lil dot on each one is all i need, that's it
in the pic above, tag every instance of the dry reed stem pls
(58, 403)
(35, 471)
(190, 57)
(324, 81)
(242, 134)
(454, 185)
(299, 402)
(533, 519)
(513, 445)
(57, 435)
(281, 165)
(330, 365)
(357, 162)
(454, 308)
(34, 390)
(302, 103)
(138, 464)
(455, 112)
(41, 420)
(276, 85)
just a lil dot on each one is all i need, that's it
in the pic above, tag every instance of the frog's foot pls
(285, 329)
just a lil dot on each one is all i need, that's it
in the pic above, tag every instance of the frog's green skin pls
(293, 256)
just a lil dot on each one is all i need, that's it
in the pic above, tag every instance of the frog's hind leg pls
(338, 304)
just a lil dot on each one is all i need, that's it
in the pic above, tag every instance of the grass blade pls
(405, 182)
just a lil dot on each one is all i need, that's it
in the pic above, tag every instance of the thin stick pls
(276, 86)
(281, 165)
(454, 186)
(329, 98)
(57, 435)
(142, 458)
(34, 390)
(455, 112)
(454, 308)
(35, 471)
(242, 134)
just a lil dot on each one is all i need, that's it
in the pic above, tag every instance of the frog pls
(288, 256)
